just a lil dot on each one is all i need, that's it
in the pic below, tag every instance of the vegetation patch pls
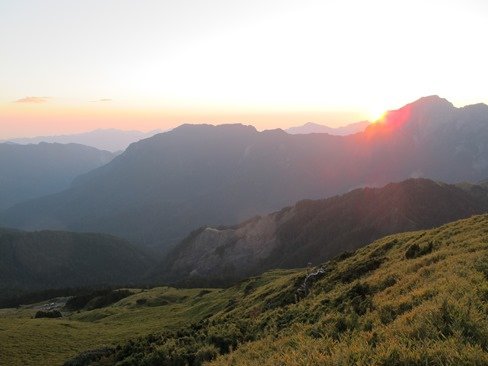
(96, 299)
(48, 314)
(359, 269)
(415, 251)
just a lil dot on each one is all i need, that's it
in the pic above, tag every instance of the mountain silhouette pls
(104, 139)
(311, 127)
(163, 187)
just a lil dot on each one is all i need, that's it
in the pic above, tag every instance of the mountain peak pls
(421, 117)
(431, 101)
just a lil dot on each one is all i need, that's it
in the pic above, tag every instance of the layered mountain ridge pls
(163, 187)
(104, 139)
(31, 171)
(312, 127)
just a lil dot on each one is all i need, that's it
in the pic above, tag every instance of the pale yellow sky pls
(74, 66)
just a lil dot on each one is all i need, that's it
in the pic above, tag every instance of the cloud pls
(102, 100)
(32, 100)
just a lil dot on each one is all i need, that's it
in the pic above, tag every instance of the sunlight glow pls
(376, 114)
(250, 59)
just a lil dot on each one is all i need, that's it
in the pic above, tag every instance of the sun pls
(376, 114)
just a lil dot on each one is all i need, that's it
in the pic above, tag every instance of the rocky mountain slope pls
(314, 231)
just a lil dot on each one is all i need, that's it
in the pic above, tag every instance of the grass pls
(418, 298)
(28, 341)
(427, 309)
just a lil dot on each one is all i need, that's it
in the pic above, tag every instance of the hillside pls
(412, 298)
(27, 341)
(48, 259)
(163, 187)
(315, 231)
(103, 139)
(30, 171)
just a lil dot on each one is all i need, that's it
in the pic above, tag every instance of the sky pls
(69, 66)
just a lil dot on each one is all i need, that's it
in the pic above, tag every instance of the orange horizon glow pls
(77, 66)
(29, 120)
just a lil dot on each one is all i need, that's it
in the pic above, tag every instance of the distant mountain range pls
(311, 127)
(316, 231)
(163, 187)
(104, 139)
(48, 259)
(30, 171)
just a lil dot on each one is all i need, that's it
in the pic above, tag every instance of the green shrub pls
(415, 251)
(358, 270)
(48, 314)
(141, 301)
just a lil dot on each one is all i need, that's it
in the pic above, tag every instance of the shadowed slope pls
(52, 259)
(314, 231)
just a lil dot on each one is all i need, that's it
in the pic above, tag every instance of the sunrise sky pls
(71, 66)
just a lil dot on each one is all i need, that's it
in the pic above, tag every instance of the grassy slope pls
(373, 307)
(27, 341)
(427, 310)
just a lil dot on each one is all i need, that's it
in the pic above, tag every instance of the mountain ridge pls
(110, 139)
(311, 127)
(315, 231)
(31, 171)
(163, 187)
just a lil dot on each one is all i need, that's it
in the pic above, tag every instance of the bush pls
(206, 353)
(358, 298)
(85, 358)
(141, 301)
(357, 270)
(415, 251)
(387, 282)
(203, 293)
(48, 314)
(96, 299)
(249, 288)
